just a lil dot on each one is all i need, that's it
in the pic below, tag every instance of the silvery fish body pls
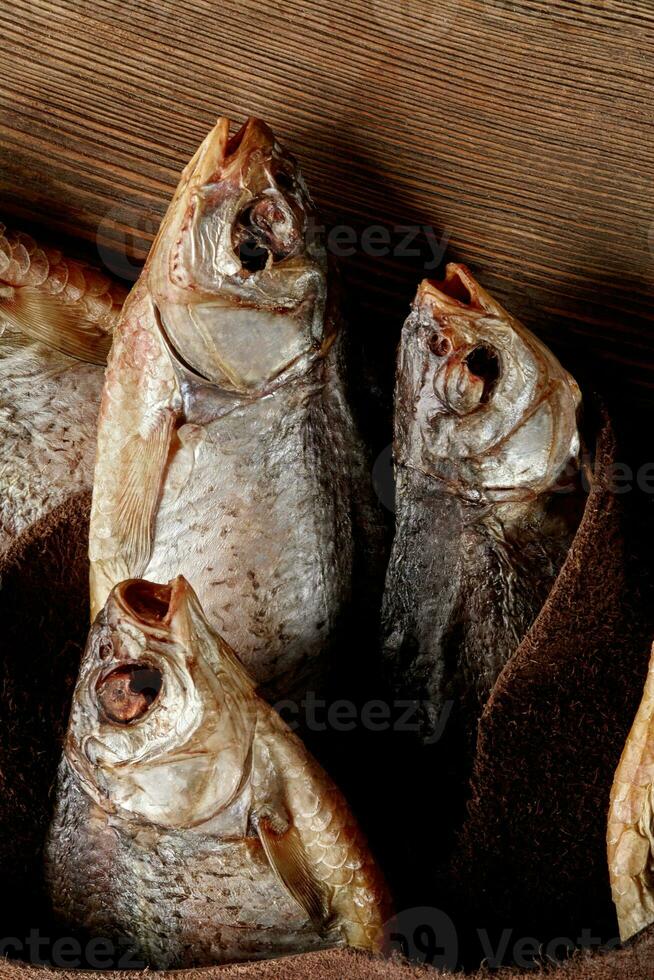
(56, 317)
(190, 823)
(226, 450)
(487, 456)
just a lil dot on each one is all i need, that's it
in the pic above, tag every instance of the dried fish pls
(226, 449)
(56, 318)
(189, 820)
(487, 454)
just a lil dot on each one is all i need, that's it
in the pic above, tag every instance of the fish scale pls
(56, 318)
(48, 406)
(274, 592)
(333, 839)
(81, 844)
(162, 917)
(24, 263)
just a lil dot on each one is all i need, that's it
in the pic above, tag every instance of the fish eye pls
(127, 693)
(484, 363)
(439, 345)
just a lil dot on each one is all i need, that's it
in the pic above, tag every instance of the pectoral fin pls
(142, 468)
(64, 327)
(286, 854)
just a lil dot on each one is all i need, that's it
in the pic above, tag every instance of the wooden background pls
(522, 130)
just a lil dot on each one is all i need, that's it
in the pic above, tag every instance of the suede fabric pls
(634, 962)
(530, 856)
(44, 609)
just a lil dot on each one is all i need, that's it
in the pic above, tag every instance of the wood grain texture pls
(522, 129)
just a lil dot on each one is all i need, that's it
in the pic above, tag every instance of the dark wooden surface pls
(522, 129)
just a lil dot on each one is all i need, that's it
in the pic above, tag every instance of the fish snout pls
(272, 225)
(458, 292)
(221, 152)
(133, 675)
(254, 136)
(457, 309)
(439, 343)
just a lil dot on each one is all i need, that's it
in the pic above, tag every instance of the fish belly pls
(464, 586)
(421, 608)
(48, 418)
(255, 513)
(168, 899)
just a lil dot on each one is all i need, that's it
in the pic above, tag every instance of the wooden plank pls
(522, 130)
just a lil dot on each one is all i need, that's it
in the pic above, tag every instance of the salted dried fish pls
(56, 318)
(487, 454)
(630, 834)
(190, 822)
(226, 448)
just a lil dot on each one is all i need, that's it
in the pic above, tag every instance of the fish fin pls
(289, 861)
(140, 409)
(65, 327)
(142, 463)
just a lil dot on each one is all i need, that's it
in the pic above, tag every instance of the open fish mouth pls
(147, 602)
(495, 414)
(152, 603)
(237, 276)
(458, 288)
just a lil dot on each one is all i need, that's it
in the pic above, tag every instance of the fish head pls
(237, 274)
(163, 714)
(483, 406)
